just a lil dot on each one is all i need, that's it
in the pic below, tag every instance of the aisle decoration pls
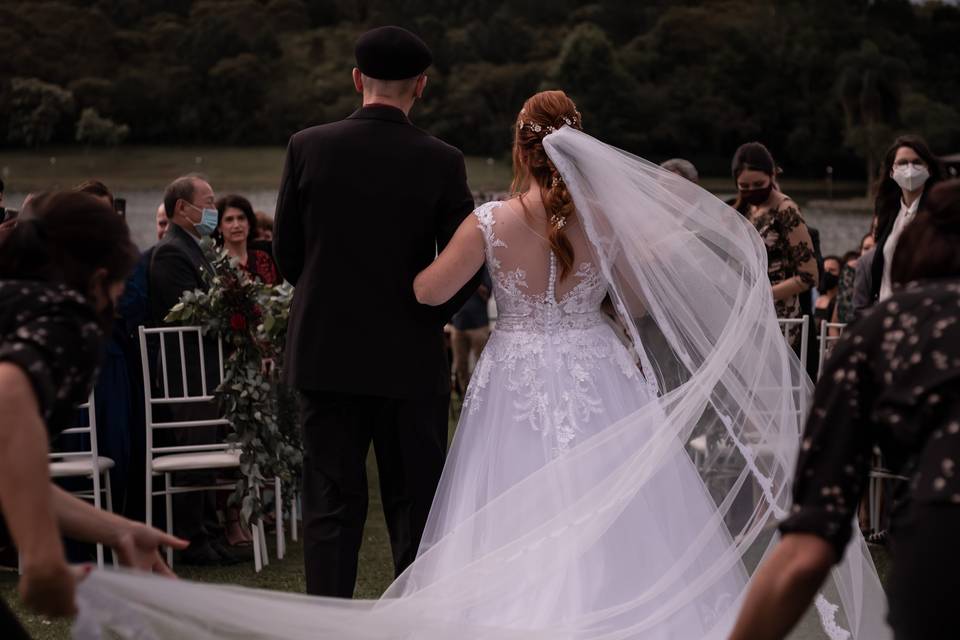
(251, 317)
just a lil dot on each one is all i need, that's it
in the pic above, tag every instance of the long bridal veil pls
(689, 284)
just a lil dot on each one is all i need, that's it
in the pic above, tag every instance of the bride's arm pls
(459, 261)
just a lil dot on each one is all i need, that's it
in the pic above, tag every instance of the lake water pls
(840, 231)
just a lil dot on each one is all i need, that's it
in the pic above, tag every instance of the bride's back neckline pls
(525, 270)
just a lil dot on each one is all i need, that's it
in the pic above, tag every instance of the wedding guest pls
(791, 261)
(683, 168)
(96, 189)
(264, 226)
(178, 264)
(61, 273)
(894, 383)
(113, 388)
(163, 222)
(470, 332)
(844, 300)
(863, 284)
(827, 290)
(236, 222)
(909, 170)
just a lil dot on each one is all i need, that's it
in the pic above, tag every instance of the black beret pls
(392, 53)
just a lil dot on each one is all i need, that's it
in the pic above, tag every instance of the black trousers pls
(409, 437)
(925, 574)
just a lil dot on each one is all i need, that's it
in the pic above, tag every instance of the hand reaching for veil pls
(138, 546)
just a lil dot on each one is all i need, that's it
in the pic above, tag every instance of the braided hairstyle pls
(542, 114)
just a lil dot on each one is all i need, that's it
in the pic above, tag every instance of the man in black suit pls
(178, 264)
(364, 205)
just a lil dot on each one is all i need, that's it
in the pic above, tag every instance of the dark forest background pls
(822, 82)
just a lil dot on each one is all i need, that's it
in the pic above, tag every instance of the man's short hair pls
(390, 88)
(681, 167)
(182, 188)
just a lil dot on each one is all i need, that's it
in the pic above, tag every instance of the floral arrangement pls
(251, 318)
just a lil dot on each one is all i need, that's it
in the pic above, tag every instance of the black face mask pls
(828, 282)
(756, 197)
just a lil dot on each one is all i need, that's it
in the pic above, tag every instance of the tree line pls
(821, 82)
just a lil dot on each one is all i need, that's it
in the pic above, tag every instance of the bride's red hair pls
(541, 114)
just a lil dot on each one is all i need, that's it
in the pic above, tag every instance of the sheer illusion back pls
(528, 287)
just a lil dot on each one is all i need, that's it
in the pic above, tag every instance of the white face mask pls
(910, 177)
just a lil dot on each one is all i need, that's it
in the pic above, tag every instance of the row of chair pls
(165, 460)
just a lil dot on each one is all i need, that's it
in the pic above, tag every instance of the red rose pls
(257, 311)
(238, 322)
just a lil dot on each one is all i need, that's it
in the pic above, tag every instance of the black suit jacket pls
(364, 205)
(178, 264)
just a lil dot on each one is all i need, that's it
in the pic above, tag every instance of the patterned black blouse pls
(789, 253)
(51, 332)
(893, 381)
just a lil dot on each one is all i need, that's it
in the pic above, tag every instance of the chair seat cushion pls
(198, 460)
(78, 467)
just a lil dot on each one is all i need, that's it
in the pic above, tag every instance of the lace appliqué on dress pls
(539, 339)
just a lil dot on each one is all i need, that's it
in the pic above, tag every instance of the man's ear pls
(357, 80)
(421, 85)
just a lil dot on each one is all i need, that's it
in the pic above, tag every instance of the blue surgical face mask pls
(208, 221)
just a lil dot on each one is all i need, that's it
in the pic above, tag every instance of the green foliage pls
(37, 110)
(94, 129)
(251, 318)
(820, 82)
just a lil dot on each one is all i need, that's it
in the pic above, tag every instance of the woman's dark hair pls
(241, 203)
(930, 245)
(66, 237)
(95, 188)
(886, 204)
(848, 257)
(752, 156)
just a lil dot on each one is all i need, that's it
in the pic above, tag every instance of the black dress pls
(893, 381)
(51, 332)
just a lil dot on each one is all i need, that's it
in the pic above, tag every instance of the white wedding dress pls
(555, 373)
(608, 480)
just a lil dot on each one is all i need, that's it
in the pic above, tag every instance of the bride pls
(625, 445)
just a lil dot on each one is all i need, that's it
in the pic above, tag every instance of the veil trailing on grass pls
(687, 277)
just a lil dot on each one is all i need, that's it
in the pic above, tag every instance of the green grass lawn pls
(137, 167)
(248, 168)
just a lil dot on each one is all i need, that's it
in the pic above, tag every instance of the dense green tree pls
(37, 110)
(661, 77)
(869, 89)
(93, 129)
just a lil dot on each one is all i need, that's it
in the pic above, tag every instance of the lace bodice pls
(528, 290)
(553, 350)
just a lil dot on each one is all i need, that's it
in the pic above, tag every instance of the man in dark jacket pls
(365, 204)
(177, 265)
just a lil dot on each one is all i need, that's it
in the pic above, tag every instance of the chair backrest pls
(81, 451)
(174, 381)
(827, 341)
(804, 324)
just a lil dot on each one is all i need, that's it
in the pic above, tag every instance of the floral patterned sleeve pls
(835, 452)
(800, 252)
(52, 334)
